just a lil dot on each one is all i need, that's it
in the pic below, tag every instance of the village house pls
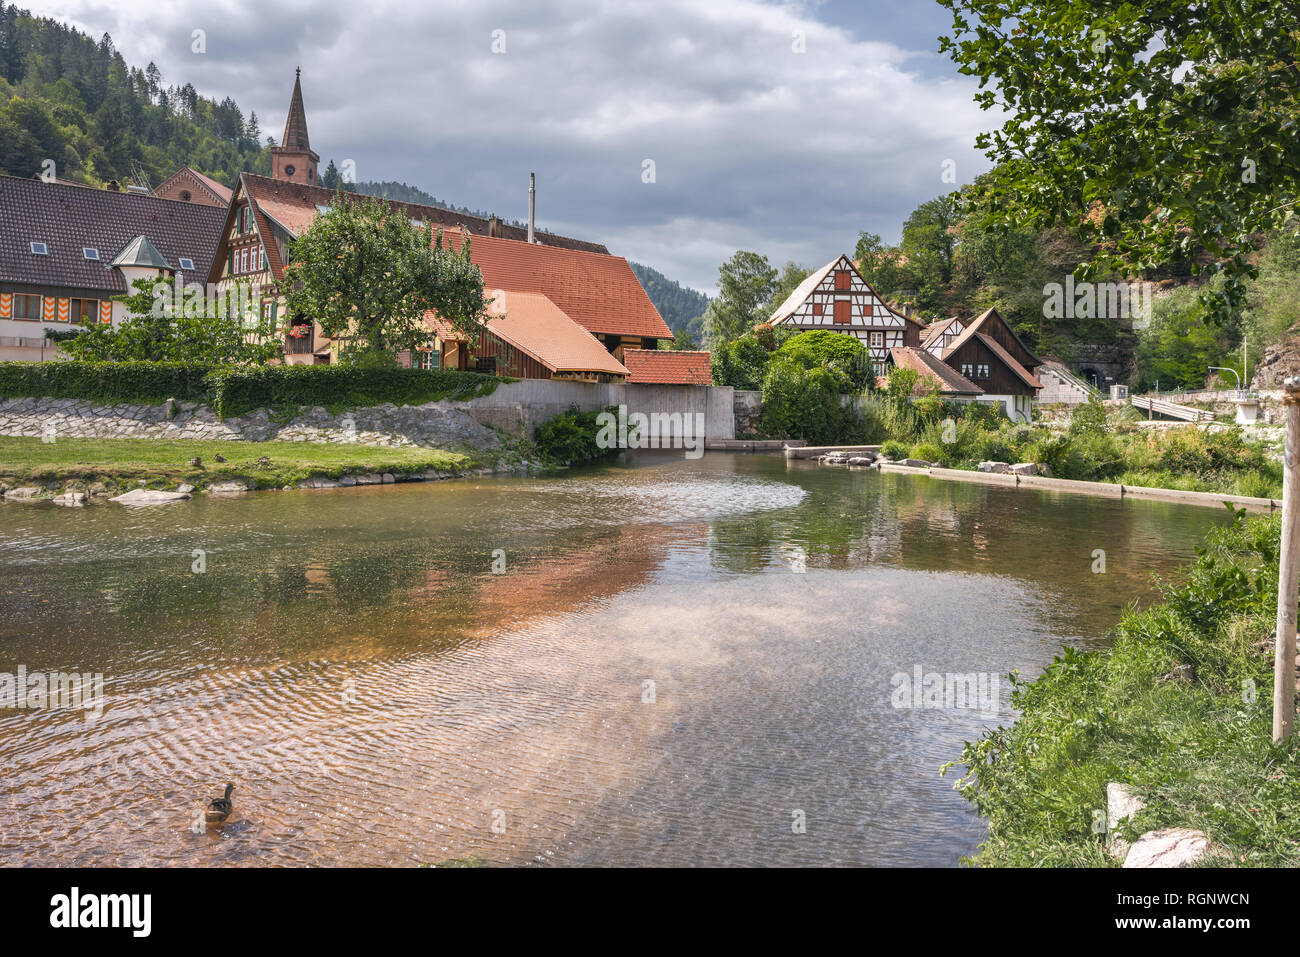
(836, 297)
(973, 360)
(987, 351)
(190, 186)
(563, 308)
(67, 250)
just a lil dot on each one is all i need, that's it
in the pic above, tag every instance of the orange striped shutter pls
(6, 305)
(106, 311)
(64, 309)
(48, 308)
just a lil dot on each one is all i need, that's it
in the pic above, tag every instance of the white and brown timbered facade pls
(837, 298)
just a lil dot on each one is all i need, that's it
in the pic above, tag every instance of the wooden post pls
(1288, 579)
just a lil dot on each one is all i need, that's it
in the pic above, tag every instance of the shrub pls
(894, 449)
(237, 390)
(832, 350)
(570, 438)
(929, 452)
(1089, 418)
(741, 364)
(110, 382)
(805, 403)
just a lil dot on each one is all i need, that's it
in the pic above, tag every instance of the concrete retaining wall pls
(1102, 489)
(516, 406)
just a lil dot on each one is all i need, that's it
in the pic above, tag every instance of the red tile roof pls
(536, 326)
(68, 218)
(294, 206)
(597, 290)
(672, 368)
(934, 370)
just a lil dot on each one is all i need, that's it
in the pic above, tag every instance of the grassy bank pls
(1179, 707)
(118, 463)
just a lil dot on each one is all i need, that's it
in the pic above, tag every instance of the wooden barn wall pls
(510, 361)
(1001, 381)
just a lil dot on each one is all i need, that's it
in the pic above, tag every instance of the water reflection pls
(381, 696)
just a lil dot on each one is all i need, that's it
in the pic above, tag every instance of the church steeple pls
(293, 160)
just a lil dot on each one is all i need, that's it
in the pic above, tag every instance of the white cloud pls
(756, 146)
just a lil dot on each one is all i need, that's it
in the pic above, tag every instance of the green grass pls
(1196, 746)
(165, 464)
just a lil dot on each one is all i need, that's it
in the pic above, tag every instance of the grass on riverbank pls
(1194, 743)
(165, 464)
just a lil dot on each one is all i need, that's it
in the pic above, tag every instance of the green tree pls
(745, 284)
(160, 329)
(791, 275)
(368, 275)
(1160, 131)
(1177, 347)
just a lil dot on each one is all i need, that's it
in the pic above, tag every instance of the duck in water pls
(219, 808)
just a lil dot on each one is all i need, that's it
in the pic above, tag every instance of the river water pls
(655, 662)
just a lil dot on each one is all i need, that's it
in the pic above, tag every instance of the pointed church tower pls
(293, 160)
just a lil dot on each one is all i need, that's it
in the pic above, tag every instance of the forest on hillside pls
(75, 101)
(682, 308)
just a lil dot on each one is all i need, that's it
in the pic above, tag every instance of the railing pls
(299, 345)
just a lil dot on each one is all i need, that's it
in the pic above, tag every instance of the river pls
(654, 662)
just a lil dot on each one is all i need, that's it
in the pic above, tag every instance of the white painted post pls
(1288, 579)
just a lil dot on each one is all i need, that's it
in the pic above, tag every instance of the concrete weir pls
(1102, 489)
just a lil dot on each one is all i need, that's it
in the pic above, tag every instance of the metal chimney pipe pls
(532, 204)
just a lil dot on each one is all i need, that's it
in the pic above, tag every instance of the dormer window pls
(187, 265)
(38, 249)
(90, 253)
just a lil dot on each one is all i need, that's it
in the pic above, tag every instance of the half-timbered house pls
(987, 351)
(836, 297)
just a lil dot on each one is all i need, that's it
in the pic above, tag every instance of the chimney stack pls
(494, 225)
(532, 204)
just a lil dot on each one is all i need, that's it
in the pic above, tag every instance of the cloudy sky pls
(754, 144)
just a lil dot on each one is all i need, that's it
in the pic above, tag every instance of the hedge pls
(236, 390)
(110, 382)
(241, 389)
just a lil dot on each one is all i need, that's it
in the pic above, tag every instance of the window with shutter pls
(843, 312)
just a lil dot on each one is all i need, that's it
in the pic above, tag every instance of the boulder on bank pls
(862, 460)
(318, 483)
(1032, 468)
(1000, 468)
(1121, 804)
(226, 488)
(71, 499)
(148, 496)
(28, 493)
(1171, 847)
(916, 463)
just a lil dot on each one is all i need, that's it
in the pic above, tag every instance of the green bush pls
(570, 438)
(111, 382)
(894, 449)
(1088, 419)
(821, 348)
(237, 390)
(741, 364)
(929, 452)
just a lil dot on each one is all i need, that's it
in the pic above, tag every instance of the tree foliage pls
(1164, 133)
(158, 329)
(368, 274)
(745, 283)
(66, 98)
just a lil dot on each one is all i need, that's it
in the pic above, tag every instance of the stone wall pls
(432, 425)
(514, 408)
(748, 408)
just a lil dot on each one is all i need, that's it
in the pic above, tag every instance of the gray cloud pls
(756, 146)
